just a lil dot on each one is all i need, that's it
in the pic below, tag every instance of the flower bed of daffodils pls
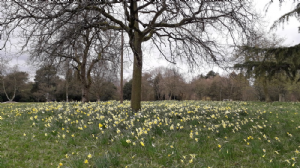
(162, 134)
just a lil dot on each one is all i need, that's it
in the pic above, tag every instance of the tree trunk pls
(67, 89)
(281, 97)
(136, 46)
(266, 91)
(67, 82)
(15, 89)
(220, 95)
(137, 79)
(47, 97)
(85, 94)
(121, 82)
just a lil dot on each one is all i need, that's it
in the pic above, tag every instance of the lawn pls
(164, 134)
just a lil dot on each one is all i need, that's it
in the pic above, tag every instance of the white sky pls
(289, 31)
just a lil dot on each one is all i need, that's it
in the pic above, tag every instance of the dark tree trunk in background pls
(121, 82)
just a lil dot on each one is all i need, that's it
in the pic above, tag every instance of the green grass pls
(163, 134)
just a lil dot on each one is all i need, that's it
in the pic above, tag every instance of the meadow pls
(163, 134)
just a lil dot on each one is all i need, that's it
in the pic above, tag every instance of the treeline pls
(169, 84)
(50, 84)
(160, 84)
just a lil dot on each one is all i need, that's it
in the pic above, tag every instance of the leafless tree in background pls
(12, 81)
(147, 87)
(104, 80)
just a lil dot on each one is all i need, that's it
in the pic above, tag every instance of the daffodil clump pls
(162, 134)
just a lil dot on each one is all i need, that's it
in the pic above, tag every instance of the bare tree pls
(46, 82)
(104, 77)
(167, 83)
(82, 49)
(177, 28)
(147, 87)
(12, 80)
(172, 84)
(157, 80)
(67, 78)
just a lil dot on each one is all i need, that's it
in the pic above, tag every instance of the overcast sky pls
(289, 31)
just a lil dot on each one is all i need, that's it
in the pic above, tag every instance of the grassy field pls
(164, 134)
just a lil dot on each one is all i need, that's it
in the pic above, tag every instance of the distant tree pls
(127, 90)
(46, 81)
(201, 87)
(215, 91)
(147, 87)
(240, 87)
(211, 74)
(104, 75)
(167, 84)
(68, 88)
(156, 86)
(280, 86)
(67, 69)
(173, 84)
(14, 83)
(259, 64)
(74, 87)
(232, 86)
(293, 91)
(109, 92)
(59, 93)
